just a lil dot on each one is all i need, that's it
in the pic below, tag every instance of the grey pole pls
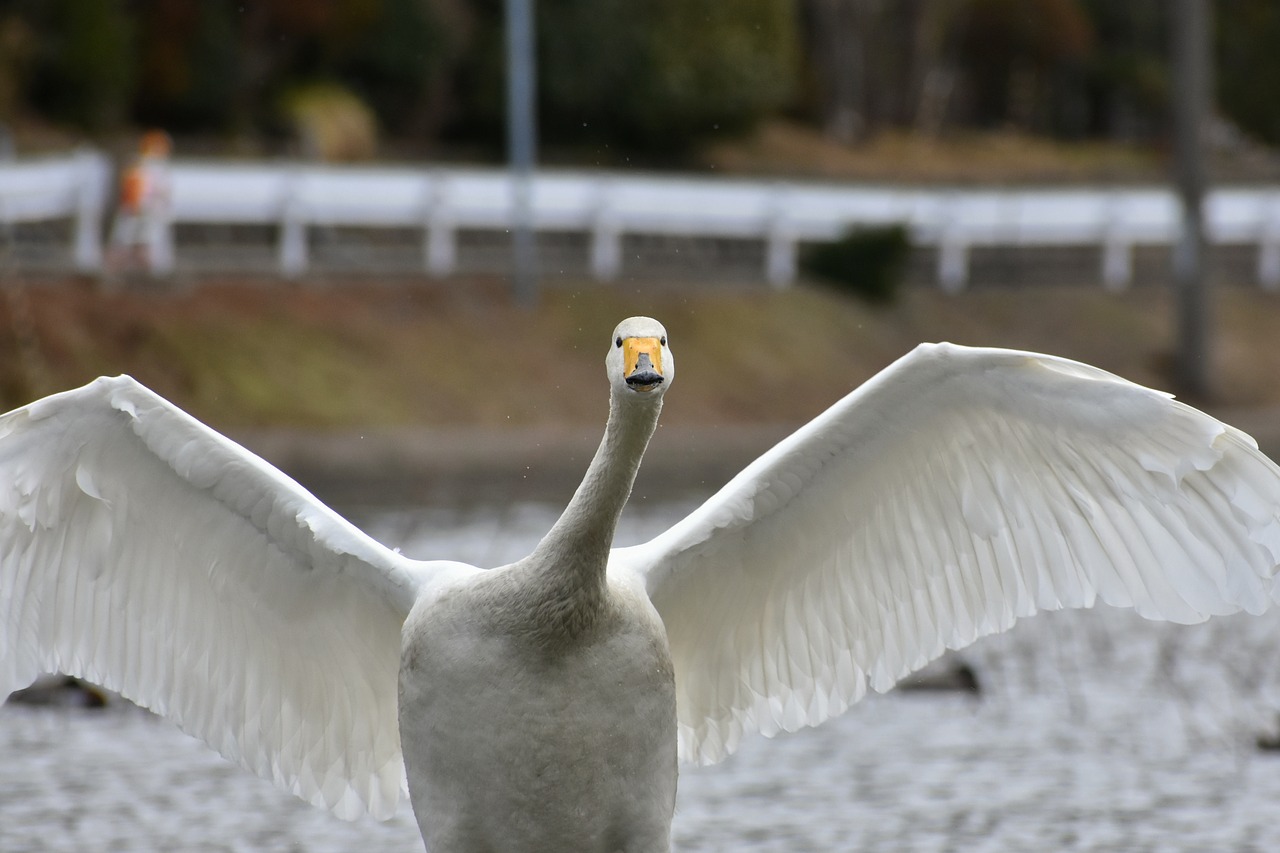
(1192, 98)
(522, 147)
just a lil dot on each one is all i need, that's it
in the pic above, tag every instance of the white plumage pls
(145, 552)
(955, 492)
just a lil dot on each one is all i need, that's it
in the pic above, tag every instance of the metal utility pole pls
(521, 147)
(1192, 99)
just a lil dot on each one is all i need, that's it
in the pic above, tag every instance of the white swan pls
(542, 705)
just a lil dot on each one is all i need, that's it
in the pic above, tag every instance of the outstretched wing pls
(956, 491)
(145, 552)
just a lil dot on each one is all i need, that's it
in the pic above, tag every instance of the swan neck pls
(578, 546)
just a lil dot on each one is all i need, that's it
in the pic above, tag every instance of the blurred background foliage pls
(618, 80)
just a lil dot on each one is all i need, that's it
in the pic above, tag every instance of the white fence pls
(73, 187)
(608, 205)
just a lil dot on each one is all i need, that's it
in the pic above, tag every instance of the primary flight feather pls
(542, 705)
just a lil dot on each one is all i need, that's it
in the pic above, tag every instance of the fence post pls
(780, 243)
(159, 241)
(293, 230)
(159, 236)
(953, 260)
(606, 237)
(1269, 245)
(1117, 264)
(1269, 265)
(953, 247)
(440, 249)
(1117, 250)
(91, 193)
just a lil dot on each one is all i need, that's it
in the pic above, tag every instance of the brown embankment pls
(430, 385)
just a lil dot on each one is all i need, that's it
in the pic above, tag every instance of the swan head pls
(640, 363)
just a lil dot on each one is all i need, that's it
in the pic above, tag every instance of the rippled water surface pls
(1094, 731)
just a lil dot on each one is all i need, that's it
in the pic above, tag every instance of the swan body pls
(544, 705)
(565, 742)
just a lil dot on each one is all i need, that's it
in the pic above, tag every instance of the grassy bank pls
(338, 355)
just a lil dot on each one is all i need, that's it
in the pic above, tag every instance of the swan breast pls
(556, 746)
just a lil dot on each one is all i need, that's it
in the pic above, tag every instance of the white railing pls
(71, 187)
(609, 205)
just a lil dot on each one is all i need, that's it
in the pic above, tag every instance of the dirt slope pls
(344, 354)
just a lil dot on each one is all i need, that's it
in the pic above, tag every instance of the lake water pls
(1094, 731)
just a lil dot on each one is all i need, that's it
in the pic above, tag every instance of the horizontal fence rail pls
(74, 187)
(608, 205)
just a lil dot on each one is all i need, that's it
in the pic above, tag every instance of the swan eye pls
(618, 341)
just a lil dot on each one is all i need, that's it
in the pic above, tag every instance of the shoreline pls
(432, 465)
(435, 465)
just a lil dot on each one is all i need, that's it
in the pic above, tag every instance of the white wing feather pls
(956, 491)
(145, 552)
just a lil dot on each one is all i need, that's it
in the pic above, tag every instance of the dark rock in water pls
(946, 674)
(61, 691)
(1270, 741)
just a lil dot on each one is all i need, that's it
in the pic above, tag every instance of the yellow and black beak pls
(642, 363)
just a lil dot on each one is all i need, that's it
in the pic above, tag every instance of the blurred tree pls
(221, 64)
(650, 77)
(188, 61)
(82, 68)
(330, 123)
(716, 66)
(876, 63)
(1016, 52)
(838, 34)
(17, 47)
(402, 60)
(653, 76)
(1126, 83)
(1069, 68)
(1248, 65)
